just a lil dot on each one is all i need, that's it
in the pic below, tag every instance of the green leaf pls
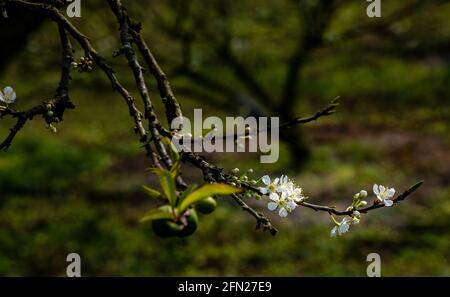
(167, 185)
(188, 191)
(172, 148)
(156, 214)
(206, 191)
(153, 193)
(174, 155)
(175, 170)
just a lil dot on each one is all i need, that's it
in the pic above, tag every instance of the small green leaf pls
(156, 214)
(205, 191)
(175, 170)
(153, 193)
(167, 185)
(172, 148)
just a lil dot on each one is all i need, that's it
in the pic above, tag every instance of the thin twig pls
(328, 110)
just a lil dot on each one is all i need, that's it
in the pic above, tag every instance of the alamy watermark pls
(374, 9)
(73, 10)
(74, 268)
(374, 268)
(237, 134)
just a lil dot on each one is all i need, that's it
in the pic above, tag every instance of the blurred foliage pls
(79, 190)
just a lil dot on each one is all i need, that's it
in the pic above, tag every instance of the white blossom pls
(341, 227)
(384, 194)
(8, 95)
(283, 193)
(286, 185)
(271, 188)
(283, 204)
(344, 226)
(296, 195)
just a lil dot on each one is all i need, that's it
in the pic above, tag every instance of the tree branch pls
(55, 15)
(173, 108)
(57, 105)
(328, 110)
(129, 33)
(212, 173)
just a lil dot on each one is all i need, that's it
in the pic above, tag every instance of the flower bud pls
(362, 204)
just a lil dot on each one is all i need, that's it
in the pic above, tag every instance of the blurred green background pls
(79, 190)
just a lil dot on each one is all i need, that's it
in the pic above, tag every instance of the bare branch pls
(127, 50)
(328, 110)
(55, 15)
(173, 109)
(261, 220)
(57, 105)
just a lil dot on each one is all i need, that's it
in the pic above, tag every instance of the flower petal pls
(272, 206)
(343, 228)
(291, 205)
(283, 212)
(266, 179)
(333, 232)
(376, 191)
(12, 97)
(391, 192)
(274, 197)
(388, 202)
(263, 190)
